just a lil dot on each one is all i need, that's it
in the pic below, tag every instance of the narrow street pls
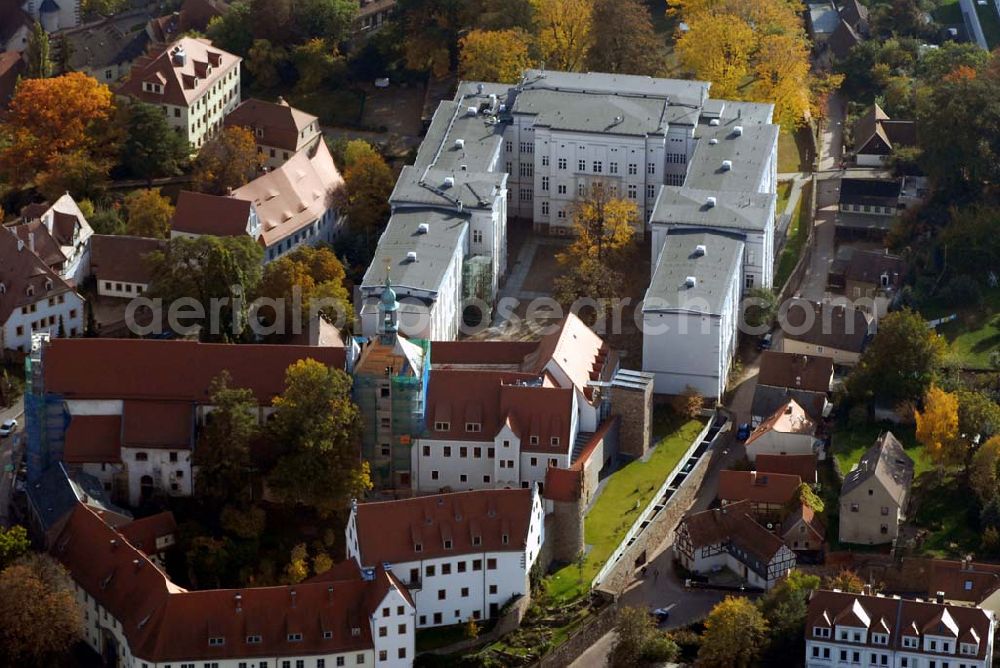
(8, 462)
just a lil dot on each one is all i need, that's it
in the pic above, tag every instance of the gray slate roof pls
(769, 398)
(57, 492)
(481, 137)
(749, 154)
(427, 186)
(434, 249)
(887, 463)
(732, 210)
(713, 273)
(615, 114)
(677, 90)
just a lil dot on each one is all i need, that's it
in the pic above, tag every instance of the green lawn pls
(849, 443)
(798, 232)
(442, 636)
(944, 510)
(784, 193)
(976, 332)
(626, 493)
(793, 151)
(340, 107)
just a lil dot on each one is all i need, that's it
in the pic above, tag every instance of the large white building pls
(845, 630)
(195, 83)
(462, 555)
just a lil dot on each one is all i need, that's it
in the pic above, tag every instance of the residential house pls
(845, 629)
(876, 136)
(60, 235)
(787, 431)
(803, 530)
(33, 298)
(872, 279)
(821, 20)
(15, 26)
(131, 420)
(875, 197)
(462, 556)
(280, 130)
(838, 331)
(154, 535)
(12, 67)
(855, 15)
(54, 16)
(133, 615)
(105, 49)
(120, 264)
(875, 494)
(867, 208)
(804, 466)
(783, 376)
(372, 15)
(730, 537)
(843, 39)
(691, 311)
(195, 83)
(767, 493)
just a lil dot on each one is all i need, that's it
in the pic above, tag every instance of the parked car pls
(8, 428)
(743, 432)
(382, 82)
(765, 341)
(661, 615)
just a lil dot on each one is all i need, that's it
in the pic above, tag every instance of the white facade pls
(121, 289)
(54, 16)
(775, 442)
(43, 315)
(156, 469)
(706, 560)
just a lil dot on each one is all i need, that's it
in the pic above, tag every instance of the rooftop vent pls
(471, 111)
(737, 130)
(710, 202)
(714, 122)
(690, 282)
(180, 57)
(727, 165)
(411, 256)
(699, 250)
(423, 228)
(713, 141)
(449, 182)
(460, 143)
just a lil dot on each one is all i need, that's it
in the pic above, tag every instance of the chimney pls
(867, 590)
(292, 592)
(282, 102)
(31, 241)
(114, 543)
(239, 602)
(939, 597)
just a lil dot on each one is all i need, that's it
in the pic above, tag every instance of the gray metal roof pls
(618, 84)
(749, 154)
(57, 492)
(887, 462)
(480, 133)
(593, 112)
(732, 210)
(428, 186)
(824, 17)
(434, 249)
(713, 273)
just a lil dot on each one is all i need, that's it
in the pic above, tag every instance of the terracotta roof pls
(170, 370)
(122, 258)
(482, 353)
(158, 424)
(143, 533)
(220, 216)
(809, 517)
(900, 617)
(789, 418)
(837, 327)
(22, 271)
(732, 524)
(563, 484)
(389, 531)
(294, 195)
(804, 466)
(959, 580)
(577, 352)
(36, 235)
(280, 125)
(93, 439)
(886, 462)
(771, 488)
(164, 623)
(203, 66)
(803, 372)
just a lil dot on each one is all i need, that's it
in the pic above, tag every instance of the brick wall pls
(586, 635)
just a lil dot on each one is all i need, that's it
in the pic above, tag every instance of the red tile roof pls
(93, 439)
(164, 623)
(215, 215)
(279, 124)
(802, 372)
(770, 488)
(36, 235)
(204, 65)
(170, 370)
(21, 270)
(389, 531)
(122, 258)
(143, 533)
(481, 353)
(158, 424)
(732, 523)
(808, 516)
(804, 466)
(576, 350)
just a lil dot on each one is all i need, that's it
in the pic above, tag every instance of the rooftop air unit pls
(180, 57)
(727, 165)
(690, 281)
(411, 256)
(714, 122)
(738, 130)
(713, 141)
(459, 143)
(449, 182)
(470, 111)
(699, 250)
(710, 202)
(423, 228)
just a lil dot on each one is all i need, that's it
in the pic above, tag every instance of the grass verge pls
(798, 233)
(333, 107)
(975, 335)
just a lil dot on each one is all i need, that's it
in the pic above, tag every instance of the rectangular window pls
(477, 236)
(526, 169)
(545, 183)
(525, 194)
(545, 161)
(633, 191)
(651, 168)
(430, 570)
(447, 451)
(650, 191)
(491, 564)
(612, 167)
(598, 167)
(581, 165)
(545, 207)
(561, 188)
(562, 163)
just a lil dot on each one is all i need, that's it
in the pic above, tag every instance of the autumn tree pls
(226, 162)
(78, 172)
(781, 76)
(784, 607)
(805, 496)
(317, 276)
(493, 55)
(984, 471)
(39, 618)
(317, 428)
(148, 213)
(152, 148)
(717, 48)
(223, 453)
(900, 363)
(49, 118)
(14, 544)
(38, 54)
(638, 642)
(845, 580)
(563, 32)
(431, 29)
(937, 427)
(207, 268)
(624, 39)
(315, 61)
(735, 633)
(364, 198)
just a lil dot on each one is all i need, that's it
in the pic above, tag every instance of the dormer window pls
(473, 427)
(355, 631)
(253, 639)
(968, 649)
(258, 132)
(294, 637)
(533, 440)
(3, 289)
(216, 641)
(880, 639)
(821, 631)
(477, 540)
(30, 291)
(442, 426)
(505, 539)
(418, 547)
(554, 440)
(48, 284)
(327, 635)
(447, 544)
(910, 642)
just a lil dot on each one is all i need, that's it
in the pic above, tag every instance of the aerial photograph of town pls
(499, 333)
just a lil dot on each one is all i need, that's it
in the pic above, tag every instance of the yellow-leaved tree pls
(735, 633)
(493, 55)
(937, 427)
(717, 48)
(781, 76)
(563, 30)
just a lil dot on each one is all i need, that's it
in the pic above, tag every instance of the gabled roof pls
(770, 488)
(768, 398)
(575, 350)
(854, 13)
(476, 521)
(93, 439)
(886, 463)
(807, 516)
(121, 258)
(196, 14)
(868, 266)
(876, 134)
(833, 326)
(158, 424)
(879, 192)
(279, 124)
(803, 372)
(25, 278)
(790, 418)
(12, 18)
(804, 466)
(843, 39)
(143, 533)
(36, 235)
(220, 216)
(183, 79)
(732, 524)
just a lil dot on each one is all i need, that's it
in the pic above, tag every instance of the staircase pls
(582, 439)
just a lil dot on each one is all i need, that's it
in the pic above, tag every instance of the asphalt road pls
(8, 466)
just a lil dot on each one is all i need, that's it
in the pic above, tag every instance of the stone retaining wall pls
(585, 636)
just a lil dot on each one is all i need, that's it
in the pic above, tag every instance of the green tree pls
(735, 633)
(317, 427)
(638, 642)
(431, 30)
(39, 618)
(315, 62)
(263, 62)
(233, 30)
(761, 307)
(364, 199)
(625, 41)
(785, 608)
(14, 544)
(900, 363)
(805, 496)
(331, 20)
(977, 414)
(223, 454)
(210, 268)
(984, 471)
(152, 148)
(149, 213)
(38, 54)
(845, 580)
(102, 7)
(228, 161)
(107, 220)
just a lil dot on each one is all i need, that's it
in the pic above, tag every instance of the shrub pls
(962, 290)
